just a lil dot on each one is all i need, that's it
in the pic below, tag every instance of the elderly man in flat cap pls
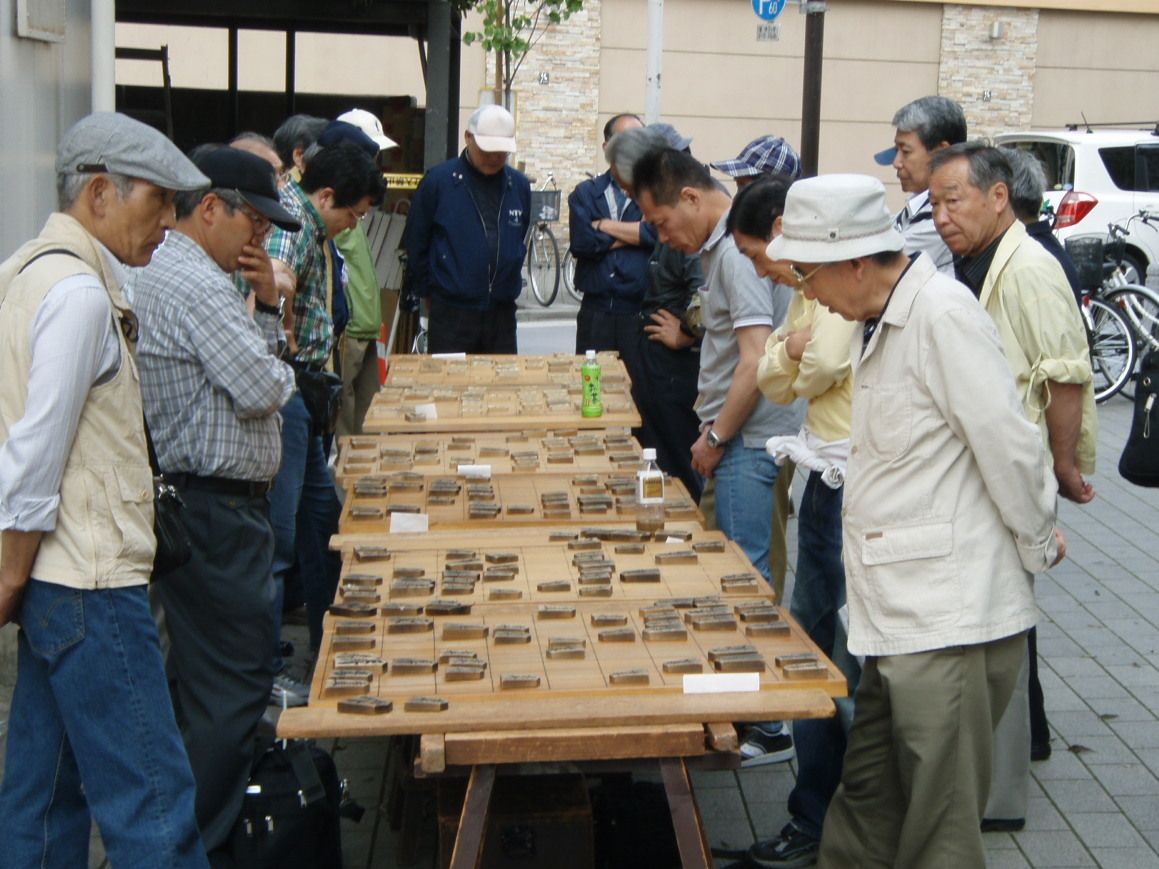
(949, 512)
(92, 733)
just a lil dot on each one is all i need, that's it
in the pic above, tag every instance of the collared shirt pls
(303, 252)
(915, 222)
(210, 377)
(971, 270)
(74, 332)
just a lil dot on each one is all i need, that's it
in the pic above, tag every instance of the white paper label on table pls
(461, 357)
(481, 472)
(721, 683)
(429, 411)
(675, 540)
(404, 523)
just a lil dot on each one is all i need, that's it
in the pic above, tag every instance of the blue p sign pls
(768, 10)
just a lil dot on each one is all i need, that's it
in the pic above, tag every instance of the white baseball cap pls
(493, 129)
(369, 124)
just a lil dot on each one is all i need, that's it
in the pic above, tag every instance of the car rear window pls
(1120, 163)
(1057, 160)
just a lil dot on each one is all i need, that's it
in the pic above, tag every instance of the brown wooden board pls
(506, 500)
(495, 408)
(525, 452)
(479, 370)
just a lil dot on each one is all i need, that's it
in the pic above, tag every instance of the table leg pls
(694, 850)
(468, 852)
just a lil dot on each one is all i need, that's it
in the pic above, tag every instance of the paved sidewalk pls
(1095, 803)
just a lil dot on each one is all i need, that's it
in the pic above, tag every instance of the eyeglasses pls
(803, 278)
(261, 224)
(357, 215)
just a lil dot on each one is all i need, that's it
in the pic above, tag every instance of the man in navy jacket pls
(466, 239)
(611, 244)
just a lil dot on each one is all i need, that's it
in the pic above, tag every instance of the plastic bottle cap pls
(649, 454)
(591, 355)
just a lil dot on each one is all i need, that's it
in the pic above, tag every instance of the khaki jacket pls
(104, 530)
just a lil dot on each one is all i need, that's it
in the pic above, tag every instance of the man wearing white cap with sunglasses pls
(949, 512)
(466, 234)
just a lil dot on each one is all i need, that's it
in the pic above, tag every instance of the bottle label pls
(592, 390)
(651, 489)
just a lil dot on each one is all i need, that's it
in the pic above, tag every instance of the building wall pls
(44, 89)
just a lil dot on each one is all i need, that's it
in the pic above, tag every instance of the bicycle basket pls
(545, 204)
(1087, 254)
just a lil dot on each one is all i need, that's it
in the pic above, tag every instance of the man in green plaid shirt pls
(338, 188)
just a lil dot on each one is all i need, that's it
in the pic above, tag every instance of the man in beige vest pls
(92, 734)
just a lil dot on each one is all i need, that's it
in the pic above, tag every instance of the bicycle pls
(542, 262)
(568, 275)
(1112, 347)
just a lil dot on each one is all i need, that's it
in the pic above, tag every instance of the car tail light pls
(1072, 208)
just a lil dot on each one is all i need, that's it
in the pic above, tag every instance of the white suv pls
(1098, 177)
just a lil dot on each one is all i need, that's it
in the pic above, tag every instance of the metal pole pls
(655, 60)
(103, 92)
(233, 107)
(291, 61)
(811, 91)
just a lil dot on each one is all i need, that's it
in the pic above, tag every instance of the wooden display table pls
(562, 369)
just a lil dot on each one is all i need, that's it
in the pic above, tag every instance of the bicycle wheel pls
(569, 276)
(1113, 351)
(1139, 305)
(543, 264)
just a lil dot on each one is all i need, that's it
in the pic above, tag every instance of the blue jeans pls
(744, 500)
(817, 595)
(92, 730)
(304, 513)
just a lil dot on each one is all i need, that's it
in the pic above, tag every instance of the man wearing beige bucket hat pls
(949, 513)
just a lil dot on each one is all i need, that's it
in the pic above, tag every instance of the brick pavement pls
(1095, 803)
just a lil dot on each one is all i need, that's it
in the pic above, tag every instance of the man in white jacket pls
(949, 513)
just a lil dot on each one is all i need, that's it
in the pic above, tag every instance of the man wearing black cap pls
(212, 385)
(91, 734)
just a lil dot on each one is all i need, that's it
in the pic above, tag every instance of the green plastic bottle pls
(593, 391)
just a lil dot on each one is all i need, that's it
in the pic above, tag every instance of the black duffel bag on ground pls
(1139, 463)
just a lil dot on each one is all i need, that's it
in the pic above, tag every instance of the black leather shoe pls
(1002, 825)
(1040, 750)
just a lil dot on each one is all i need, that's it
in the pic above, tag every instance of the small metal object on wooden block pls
(595, 591)
(562, 536)
(520, 510)
(502, 557)
(460, 673)
(448, 654)
(371, 553)
(657, 609)
(644, 574)
(369, 580)
(499, 594)
(353, 609)
(725, 651)
(554, 585)
(493, 574)
(509, 638)
(759, 614)
(664, 634)
(739, 664)
(700, 613)
(411, 666)
(739, 583)
(359, 594)
(629, 549)
(366, 513)
(346, 628)
(405, 508)
(709, 546)
(684, 665)
(406, 486)
(472, 565)
(617, 635)
(365, 705)
(355, 660)
(426, 704)
(412, 587)
(604, 620)
(629, 677)
(583, 545)
(402, 571)
(795, 658)
(715, 623)
(353, 644)
(409, 625)
(396, 608)
(519, 680)
(575, 651)
(441, 500)
(336, 687)
(452, 589)
(459, 554)
(815, 670)
(448, 608)
(767, 629)
(550, 611)
(683, 556)
(458, 631)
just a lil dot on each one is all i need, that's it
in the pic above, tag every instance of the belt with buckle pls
(220, 485)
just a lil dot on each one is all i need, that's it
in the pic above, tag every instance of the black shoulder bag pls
(1139, 463)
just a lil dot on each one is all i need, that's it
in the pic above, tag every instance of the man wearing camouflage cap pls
(92, 733)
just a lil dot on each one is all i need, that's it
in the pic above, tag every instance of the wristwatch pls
(275, 310)
(715, 442)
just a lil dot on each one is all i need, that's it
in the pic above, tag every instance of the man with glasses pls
(212, 385)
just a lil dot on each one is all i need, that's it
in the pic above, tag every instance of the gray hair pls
(1028, 185)
(935, 120)
(988, 164)
(628, 146)
(185, 202)
(70, 184)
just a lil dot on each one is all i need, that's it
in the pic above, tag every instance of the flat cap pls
(112, 142)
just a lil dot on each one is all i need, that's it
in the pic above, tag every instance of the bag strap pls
(44, 253)
(309, 784)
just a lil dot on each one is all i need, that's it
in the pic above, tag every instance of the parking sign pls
(768, 10)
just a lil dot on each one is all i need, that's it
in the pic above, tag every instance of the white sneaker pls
(288, 692)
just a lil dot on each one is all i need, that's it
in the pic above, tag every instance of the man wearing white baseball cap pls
(949, 513)
(466, 233)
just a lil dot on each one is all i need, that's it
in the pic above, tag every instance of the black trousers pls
(452, 329)
(219, 618)
(664, 389)
(599, 330)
